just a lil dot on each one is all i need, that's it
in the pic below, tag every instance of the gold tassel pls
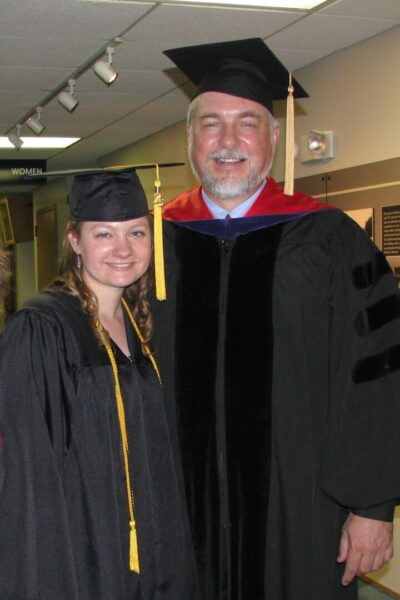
(158, 240)
(133, 549)
(289, 163)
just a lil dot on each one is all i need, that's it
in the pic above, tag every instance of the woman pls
(89, 500)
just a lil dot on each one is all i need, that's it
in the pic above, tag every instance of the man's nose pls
(229, 138)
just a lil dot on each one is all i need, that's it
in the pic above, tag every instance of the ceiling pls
(45, 42)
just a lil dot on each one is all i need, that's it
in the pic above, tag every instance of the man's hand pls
(365, 545)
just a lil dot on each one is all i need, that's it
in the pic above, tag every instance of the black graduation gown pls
(64, 520)
(281, 348)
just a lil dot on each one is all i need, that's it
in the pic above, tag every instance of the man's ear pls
(275, 135)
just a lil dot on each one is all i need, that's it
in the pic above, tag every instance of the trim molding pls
(381, 587)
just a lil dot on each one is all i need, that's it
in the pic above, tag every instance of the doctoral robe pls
(279, 346)
(64, 519)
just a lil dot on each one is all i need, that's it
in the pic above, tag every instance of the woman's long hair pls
(135, 294)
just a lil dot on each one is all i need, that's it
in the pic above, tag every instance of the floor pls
(369, 592)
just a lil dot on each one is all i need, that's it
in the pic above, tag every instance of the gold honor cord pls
(139, 334)
(133, 544)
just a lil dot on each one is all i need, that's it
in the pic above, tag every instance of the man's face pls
(231, 146)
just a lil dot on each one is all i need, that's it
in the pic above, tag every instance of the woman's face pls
(113, 254)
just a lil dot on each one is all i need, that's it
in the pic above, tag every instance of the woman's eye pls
(137, 233)
(102, 234)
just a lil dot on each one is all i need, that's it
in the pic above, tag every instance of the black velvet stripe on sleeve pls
(369, 273)
(378, 365)
(377, 315)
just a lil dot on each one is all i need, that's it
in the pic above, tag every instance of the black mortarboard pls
(107, 196)
(244, 68)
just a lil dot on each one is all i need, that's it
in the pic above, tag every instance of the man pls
(280, 356)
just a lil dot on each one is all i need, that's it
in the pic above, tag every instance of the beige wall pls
(25, 272)
(355, 93)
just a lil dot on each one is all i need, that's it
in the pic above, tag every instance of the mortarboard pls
(244, 68)
(247, 69)
(107, 196)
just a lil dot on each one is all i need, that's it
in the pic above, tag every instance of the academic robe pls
(279, 346)
(64, 519)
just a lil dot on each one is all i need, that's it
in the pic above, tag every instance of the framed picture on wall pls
(364, 217)
(391, 237)
(7, 232)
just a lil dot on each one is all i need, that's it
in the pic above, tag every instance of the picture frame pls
(7, 232)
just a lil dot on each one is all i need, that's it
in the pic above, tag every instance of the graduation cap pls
(244, 68)
(247, 69)
(115, 195)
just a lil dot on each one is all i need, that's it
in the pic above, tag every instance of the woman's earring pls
(78, 261)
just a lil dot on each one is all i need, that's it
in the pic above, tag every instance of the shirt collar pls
(239, 211)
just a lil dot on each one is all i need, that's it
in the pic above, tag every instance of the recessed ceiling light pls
(42, 142)
(293, 4)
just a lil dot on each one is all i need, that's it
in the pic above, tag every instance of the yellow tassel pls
(158, 240)
(133, 549)
(289, 163)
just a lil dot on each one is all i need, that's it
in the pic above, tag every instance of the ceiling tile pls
(181, 25)
(68, 19)
(384, 9)
(31, 78)
(45, 52)
(330, 33)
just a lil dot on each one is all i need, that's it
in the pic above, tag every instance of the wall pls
(25, 269)
(355, 93)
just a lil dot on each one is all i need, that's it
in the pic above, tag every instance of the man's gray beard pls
(226, 189)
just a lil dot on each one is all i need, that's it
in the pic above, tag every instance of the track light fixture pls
(15, 138)
(67, 99)
(104, 70)
(34, 123)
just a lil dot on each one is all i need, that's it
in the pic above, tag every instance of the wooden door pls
(46, 244)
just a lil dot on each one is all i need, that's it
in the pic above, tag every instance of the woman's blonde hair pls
(135, 294)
